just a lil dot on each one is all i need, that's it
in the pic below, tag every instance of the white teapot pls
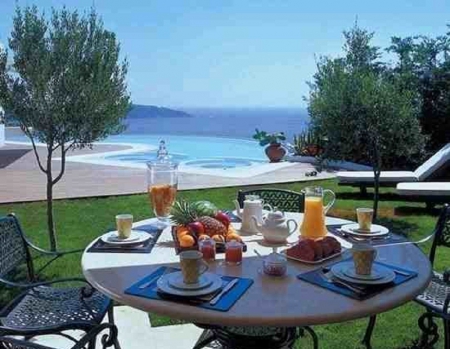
(275, 228)
(253, 206)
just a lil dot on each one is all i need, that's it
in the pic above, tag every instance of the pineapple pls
(183, 213)
(212, 226)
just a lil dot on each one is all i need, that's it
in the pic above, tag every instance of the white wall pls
(2, 135)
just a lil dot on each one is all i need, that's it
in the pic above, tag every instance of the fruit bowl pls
(194, 221)
(220, 245)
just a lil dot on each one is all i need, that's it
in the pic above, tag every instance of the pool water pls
(193, 151)
(143, 157)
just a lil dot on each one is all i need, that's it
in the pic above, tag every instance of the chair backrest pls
(13, 248)
(434, 163)
(441, 232)
(285, 200)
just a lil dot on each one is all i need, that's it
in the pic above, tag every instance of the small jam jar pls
(275, 264)
(233, 252)
(208, 248)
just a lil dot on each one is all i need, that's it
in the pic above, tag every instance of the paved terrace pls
(21, 180)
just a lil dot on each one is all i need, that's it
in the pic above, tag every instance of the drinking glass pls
(162, 183)
(233, 252)
(365, 217)
(124, 224)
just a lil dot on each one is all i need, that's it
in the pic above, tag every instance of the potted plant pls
(275, 152)
(308, 143)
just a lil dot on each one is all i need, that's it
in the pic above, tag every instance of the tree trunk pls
(50, 221)
(376, 193)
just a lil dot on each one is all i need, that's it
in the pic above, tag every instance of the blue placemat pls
(392, 238)
(316, 277)
(146, 247)
(224, 304)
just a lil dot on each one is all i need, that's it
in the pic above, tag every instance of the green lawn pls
(80, 221)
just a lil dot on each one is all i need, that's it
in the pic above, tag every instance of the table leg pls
(369, 331)
(282, 338)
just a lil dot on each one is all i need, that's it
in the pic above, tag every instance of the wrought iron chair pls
(107, 339)
(436, 298)
(285, 200)
(42, 309)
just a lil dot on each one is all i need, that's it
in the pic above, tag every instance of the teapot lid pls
(251, 197)
(275, 214)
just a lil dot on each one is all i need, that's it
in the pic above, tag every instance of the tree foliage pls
(67, 88)
(364, 115)
(424, 67)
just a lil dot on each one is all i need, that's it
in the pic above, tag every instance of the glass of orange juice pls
(162, 183)
(313, 225)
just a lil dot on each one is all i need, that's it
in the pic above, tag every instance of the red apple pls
(223, 218)
(197, 228)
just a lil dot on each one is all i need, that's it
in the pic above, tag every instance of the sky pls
(239, 53)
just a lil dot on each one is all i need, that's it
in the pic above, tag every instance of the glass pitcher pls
(162, 184)
(313, 225)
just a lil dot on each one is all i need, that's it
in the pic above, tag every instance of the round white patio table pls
(270, 301)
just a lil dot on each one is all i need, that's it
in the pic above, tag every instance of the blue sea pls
(221, 122)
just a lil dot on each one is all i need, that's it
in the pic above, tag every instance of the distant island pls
(152, 111)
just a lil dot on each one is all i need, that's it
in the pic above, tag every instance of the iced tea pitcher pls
(162, 182)
(313, 225)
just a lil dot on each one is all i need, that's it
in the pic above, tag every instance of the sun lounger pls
(426, 171)
(429, 192)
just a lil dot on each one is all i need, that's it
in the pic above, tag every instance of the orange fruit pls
(234, 236)
(218, 238)
(182, 231)
(187, 241)
(203, 237)
(231, 230)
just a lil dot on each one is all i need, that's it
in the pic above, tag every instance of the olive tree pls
(363, 115)
(67, 89)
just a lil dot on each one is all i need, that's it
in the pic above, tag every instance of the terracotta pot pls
(275, 152)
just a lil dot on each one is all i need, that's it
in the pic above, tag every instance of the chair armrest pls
(107, 339)
(446, 276)
(20, 343)
(52, 253)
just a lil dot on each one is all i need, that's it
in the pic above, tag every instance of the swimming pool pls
(215, 156)
(191, 152)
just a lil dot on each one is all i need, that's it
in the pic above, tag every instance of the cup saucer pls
(165, 287)
(340, 271)
(374, 275)
(176, 280)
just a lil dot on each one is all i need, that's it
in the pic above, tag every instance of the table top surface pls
(270, 301)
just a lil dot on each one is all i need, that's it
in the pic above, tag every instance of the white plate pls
(339, 269)
(317, 261)
(136, 237)
(115, 236)
(163, 285)
(375, 230)
(176, 280)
